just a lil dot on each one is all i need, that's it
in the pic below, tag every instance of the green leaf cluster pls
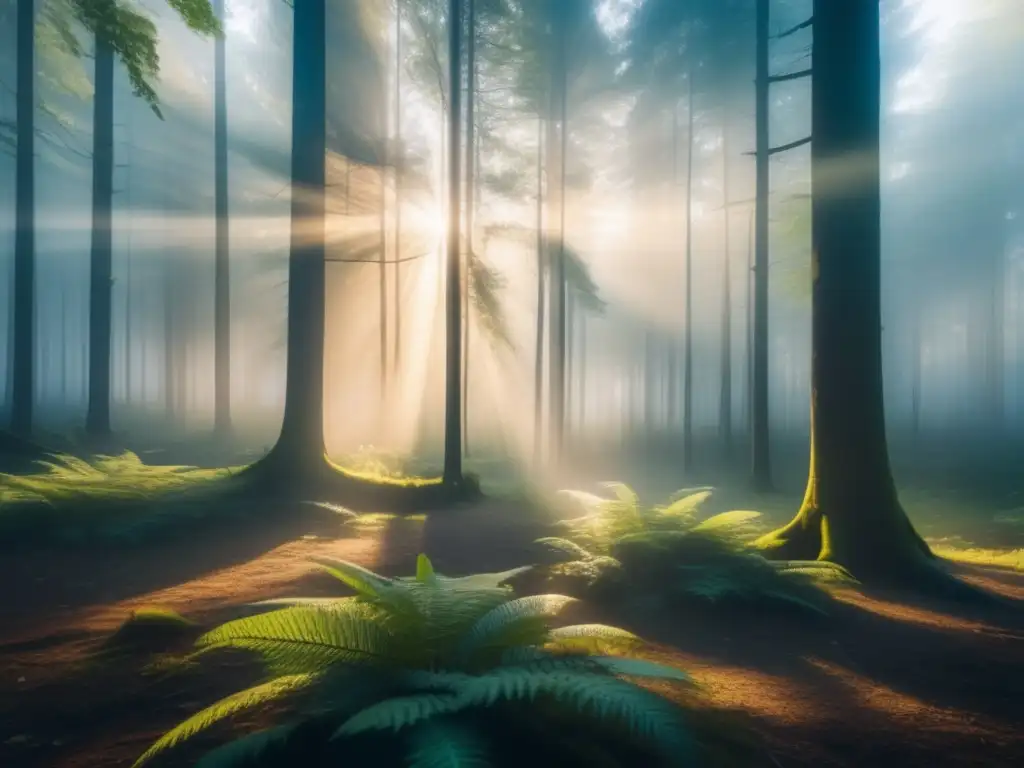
(668, 553)
(419, 659)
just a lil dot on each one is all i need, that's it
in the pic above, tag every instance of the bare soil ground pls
(883, 683)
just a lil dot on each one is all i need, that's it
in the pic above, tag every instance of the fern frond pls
(326, 603)
(629, 667)
(425, 570)
(624, 494)
(483, 581)
(246, 748)
(643, 714)
(591, 503)
(686, 506)
(726, 521)
(593, 638)
(816, 569)
(517, 622)
(399, 712)
(233, 704)
(446, 745)
(564, 547)
(305, 638)
(362, 580)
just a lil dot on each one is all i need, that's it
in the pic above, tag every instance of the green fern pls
(447, 746)
(305, 638)
(619, 547)
(238, 702)
(246, 748)
(417, 654)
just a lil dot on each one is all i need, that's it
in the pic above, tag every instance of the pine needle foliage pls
(670, 553)
(443, 667)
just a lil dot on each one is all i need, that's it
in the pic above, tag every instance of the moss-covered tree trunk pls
(850, 513)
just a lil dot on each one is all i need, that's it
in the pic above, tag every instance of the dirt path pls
(882, 684)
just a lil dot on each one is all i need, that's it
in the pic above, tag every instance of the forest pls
(481, 383)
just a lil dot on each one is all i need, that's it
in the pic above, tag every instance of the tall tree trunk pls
(850, 513)
(128, 324)
(222, 264)
(453, 303)
(399, 165)
(672, 404)
(570, 351)
(915, 370)
(688, 299)
(538, 364)
(748, 401)
(556, 368)
(470, 201)
(97, 423)
(650, 396)
(24, 319)
(382, 177)
(761, 473)
(725, 394)
(170, 336)
(300, 447)
(63, 345)
(581, 373)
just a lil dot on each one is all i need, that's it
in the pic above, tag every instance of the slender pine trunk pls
(382, 178)
(300, 446)
(725, 394)
(453, 303)
(672, 404)
(24, 317)
(470, 202)
(556, 373)
(222, 264)
(761, 475)
(538, 364)
(915, 370)
(688, 300)
(399, 165)
(97, 423)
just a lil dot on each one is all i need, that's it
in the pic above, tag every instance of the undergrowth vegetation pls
(107, 497)
(620, 549)
(432, 671)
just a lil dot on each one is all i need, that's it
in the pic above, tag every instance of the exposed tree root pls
(889, 554)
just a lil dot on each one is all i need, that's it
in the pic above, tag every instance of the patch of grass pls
(71, 500)
(381, 467)
(963, 552)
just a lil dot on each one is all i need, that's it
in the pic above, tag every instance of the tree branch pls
(802, 25)
(790, 76)
(785, 147)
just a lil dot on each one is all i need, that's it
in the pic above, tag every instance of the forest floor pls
(883, 682)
